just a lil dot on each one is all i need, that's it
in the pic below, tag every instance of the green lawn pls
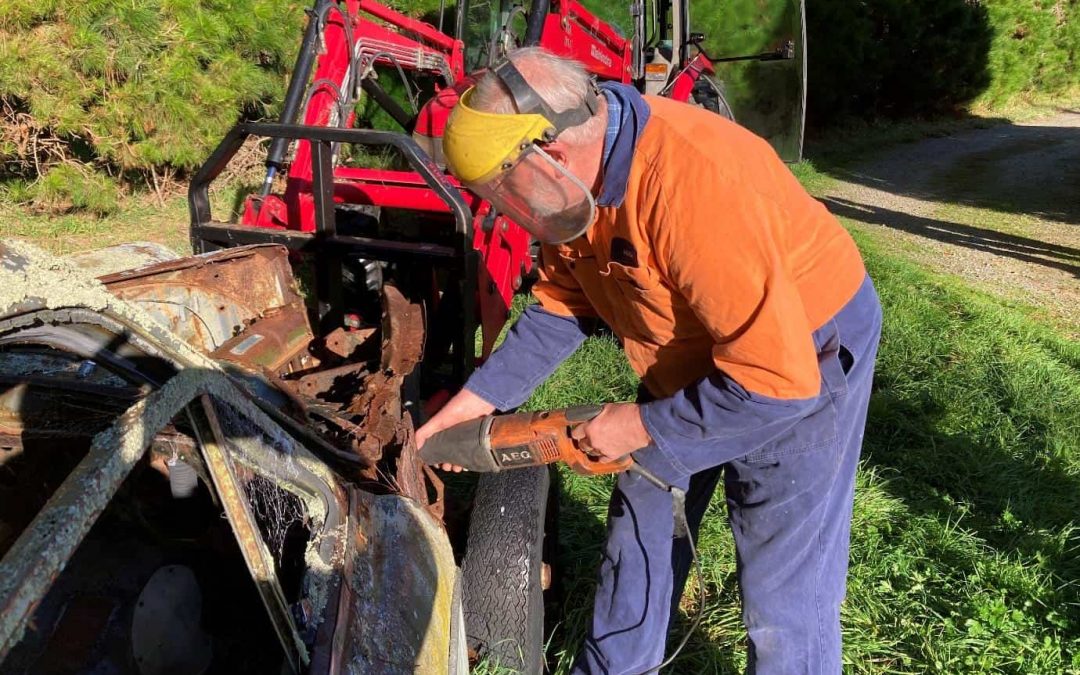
(963, 538)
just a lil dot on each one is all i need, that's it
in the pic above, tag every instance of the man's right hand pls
(463, 407)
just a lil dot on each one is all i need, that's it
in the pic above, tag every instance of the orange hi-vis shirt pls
(717, 259)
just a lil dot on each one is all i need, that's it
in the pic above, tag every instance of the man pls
(746, 310)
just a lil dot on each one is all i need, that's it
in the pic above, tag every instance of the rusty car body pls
(182, 418)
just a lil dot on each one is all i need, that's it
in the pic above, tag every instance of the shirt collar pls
(627, 114)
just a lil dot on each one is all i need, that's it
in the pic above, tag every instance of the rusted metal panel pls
(321, 382)
(400, 574)
(35, 281)
(278, 338)
(208, 299)
(123, 257)
(345, 343)
(379, 404)
(401, 567)
(403, 332)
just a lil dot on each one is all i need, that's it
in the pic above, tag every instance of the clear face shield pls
(541, 196)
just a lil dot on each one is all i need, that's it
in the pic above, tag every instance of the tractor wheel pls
(708, 94)
(503, 566)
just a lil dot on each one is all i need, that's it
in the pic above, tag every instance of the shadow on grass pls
(1024, 249)
(580, 540)
(1007, 168)
(1018, 502)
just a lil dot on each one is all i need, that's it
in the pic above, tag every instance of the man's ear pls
(557, 151)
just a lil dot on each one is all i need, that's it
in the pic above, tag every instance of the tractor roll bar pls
(321, 139)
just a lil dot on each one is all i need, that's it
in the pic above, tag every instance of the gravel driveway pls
(999, 206)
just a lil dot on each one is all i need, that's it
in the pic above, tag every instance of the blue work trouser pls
(789, 507)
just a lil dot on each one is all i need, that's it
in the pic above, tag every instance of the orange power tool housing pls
(498, 442)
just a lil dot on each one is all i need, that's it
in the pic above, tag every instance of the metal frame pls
(328, 246)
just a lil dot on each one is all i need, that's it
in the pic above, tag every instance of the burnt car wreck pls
(190, 479)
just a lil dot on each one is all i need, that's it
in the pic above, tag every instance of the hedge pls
(900, 58)
(133, 86)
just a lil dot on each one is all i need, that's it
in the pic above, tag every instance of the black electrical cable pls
(681, 529)
(409, 94)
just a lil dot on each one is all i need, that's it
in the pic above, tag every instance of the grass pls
(138, 218)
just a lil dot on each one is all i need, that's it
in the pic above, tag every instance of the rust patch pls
(379, 404)
(386, 428)
(208, 299)
(114, 259)
(345, 343)
(403, 332)
(323, 382)
(277, 341)
(410, 474)
(399, 572)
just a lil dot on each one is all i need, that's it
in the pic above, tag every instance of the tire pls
(708, 94)
(501, 572)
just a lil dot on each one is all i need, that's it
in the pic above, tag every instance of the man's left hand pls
(615, 432)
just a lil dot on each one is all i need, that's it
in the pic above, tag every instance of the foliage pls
(131, 86)
(74, 187)
(900, 58)
(891, 58)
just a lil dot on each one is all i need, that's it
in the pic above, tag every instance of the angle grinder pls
(498, 442)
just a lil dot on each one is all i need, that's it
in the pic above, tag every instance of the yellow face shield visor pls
(500, 157)
(477, 144)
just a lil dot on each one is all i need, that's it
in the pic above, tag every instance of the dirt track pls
(999, 206)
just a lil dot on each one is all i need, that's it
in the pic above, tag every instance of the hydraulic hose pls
(534, 29)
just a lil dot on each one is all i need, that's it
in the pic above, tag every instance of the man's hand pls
(463, 407)
(615, 432)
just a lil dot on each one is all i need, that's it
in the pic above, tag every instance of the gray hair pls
(562, 83)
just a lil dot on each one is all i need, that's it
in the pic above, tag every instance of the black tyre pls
(501, 572)
(708, 94)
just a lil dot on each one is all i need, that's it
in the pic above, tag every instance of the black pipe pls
(388, 103)
(537, 18)
(294, 96)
